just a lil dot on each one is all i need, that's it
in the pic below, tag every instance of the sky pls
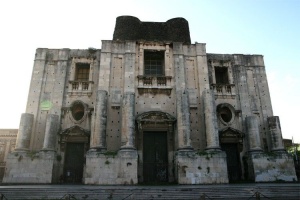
(267, 27)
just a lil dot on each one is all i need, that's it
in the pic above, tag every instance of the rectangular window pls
(82, 72)
(221, 74)
(154, 63)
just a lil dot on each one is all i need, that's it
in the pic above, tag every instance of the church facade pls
(148, 107)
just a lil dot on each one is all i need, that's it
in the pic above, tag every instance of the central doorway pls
(233, 161)
(155, 157)
(74, 163)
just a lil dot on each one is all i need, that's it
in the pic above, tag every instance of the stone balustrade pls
(155, 84)
(80, 87)
(224, 89)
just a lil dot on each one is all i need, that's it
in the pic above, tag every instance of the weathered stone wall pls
(201, 168)
(111, 169)
(51, 90)
(271, 167)
(30, 167)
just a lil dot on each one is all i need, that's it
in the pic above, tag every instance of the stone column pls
(275, 134)
(51, 132)
(183, 122)
(24, 133)
(98, 136)
(128, 126)
(211, 124)
(253, 133)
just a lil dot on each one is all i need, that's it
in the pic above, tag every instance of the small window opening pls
(225, 114)
(77, 111)
(82, 72)
(221, 74)
(154, 63)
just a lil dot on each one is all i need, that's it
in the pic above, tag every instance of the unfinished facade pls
(148, 107)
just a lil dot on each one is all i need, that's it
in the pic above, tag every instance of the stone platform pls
(227, 191)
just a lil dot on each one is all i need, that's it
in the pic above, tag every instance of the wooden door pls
(74, 162)
(155, 157)
(233, 161)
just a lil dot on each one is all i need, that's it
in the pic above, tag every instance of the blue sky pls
(267, 27)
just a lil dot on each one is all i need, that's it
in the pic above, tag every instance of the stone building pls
(148, 107)
(7, 145)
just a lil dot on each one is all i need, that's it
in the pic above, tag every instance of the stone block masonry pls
(201, 167)
(271, 167)
(110, 168)
(30, 167)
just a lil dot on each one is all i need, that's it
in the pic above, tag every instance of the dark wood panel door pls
(74, 162)
(233, 161)
(155, 154)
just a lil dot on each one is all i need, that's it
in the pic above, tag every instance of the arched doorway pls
(155, 144)
(74, 144)
(231, 141)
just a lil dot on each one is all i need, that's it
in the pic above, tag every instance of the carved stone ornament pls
(153, 118)
(231, 133)
(77, 112)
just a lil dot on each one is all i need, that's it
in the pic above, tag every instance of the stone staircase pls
(229, 191)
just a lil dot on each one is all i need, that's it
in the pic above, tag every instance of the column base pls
(279, 150)
(97, 149)
(21, 150)
(48, 149)
(188, 148)
(255, 150)
(213, 148)
(126, 148)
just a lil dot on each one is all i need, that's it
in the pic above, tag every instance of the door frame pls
(233, 136)
(154, 134)
(73, 134)
(151, 122)
(65, 173)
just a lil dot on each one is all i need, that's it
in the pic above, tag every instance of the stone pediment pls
(155, 116)
(75, 130)
(155, 120)
(231, 132)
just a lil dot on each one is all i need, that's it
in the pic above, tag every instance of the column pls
(275, 134)
(253, 133)
(183, 121)
(98, 136)
(51, 132)
(211, 125)
(182, 102)
(128, 126)
(24, 133)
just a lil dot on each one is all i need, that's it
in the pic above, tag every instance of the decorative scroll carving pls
(231, 135)
(154, 119)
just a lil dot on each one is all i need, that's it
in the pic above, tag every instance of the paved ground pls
(227, 191)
